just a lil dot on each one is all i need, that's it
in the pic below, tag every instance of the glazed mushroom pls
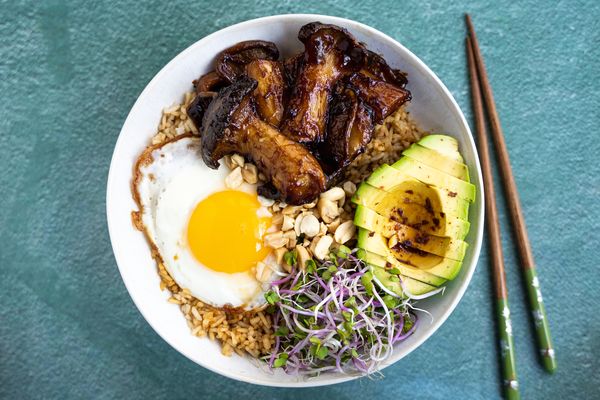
(231, 62)
(231, 125)
(330, 53)
(210, 82)
(382, 97)
(291, 68)
(198, 107)
(376, 67)
(349, 130)
(269, 91)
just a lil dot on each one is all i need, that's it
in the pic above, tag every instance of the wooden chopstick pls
(509, 373)
(536, 304)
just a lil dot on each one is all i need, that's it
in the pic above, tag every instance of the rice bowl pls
(167, 89)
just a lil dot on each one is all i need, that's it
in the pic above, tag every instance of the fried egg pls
(208, 237)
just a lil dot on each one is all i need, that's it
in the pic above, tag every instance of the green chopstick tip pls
(549, 363)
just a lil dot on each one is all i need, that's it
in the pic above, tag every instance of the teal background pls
(69, 73)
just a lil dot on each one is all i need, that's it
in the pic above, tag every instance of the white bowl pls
(432, 106)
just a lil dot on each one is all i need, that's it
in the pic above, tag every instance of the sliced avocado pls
(443, 270)
(388, 221)
(388, 178)
(373, 222)
(393, 285)
(438, 161)
(446, 145)
(428, 262)
(411, 191)
(413, 215)
(375, 243)
(453, 249)
(434, 177)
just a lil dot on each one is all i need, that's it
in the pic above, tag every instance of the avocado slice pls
(442, 246)
(435, 177)
(378, 253)
(388, 178)
(411, 191)
(440, 266)
(438, 161)
(443, 144)
(443, 270)
(453, 249)
(412, 285)
(387, 221)
(374, 243)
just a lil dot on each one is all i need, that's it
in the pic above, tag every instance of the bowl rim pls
(478, 237)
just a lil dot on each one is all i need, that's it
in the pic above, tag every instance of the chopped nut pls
(306, 243)
(298, 223)
(250, 173)
(228, 162)
(349, 188)
(328, 210)
(282, 204)
(316, 213)
(262, 177)
(309, 225)
(275, 240)
(287, 223)
(290, 210)
(265, 202)
(286, 267)
(238, 160)
(322, 229)
(333, 194)
(278, 220)
(303, 256)
(279, 255)
(234, 179)
(344, 232)
(291, 237)
(275, 208)
(313, 244)
(334, 224)
(263, 272)
(322, 247)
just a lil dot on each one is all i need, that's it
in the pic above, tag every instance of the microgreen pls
(335, 316)
(290, 257)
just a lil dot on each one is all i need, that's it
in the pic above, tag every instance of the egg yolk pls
(225, 232)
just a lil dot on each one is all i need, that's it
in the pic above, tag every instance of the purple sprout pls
(334, 316)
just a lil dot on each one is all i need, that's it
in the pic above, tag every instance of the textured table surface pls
(69, 73)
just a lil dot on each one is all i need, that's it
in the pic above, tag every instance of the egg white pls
(170, 184)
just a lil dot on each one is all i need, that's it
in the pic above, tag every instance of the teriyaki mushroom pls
(198, 107)
(350, 128)
(376, 67)
(330, 53)
(269, 91)
(382, 97)
(210, 82)
(232, 61)
(231, 125)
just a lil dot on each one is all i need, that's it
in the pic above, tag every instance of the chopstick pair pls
(481, 86)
